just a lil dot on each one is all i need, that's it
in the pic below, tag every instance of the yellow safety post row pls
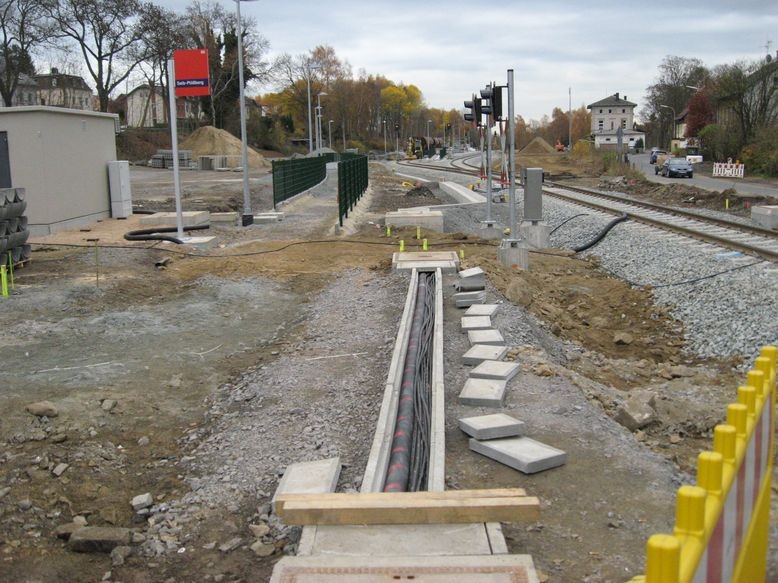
(3, 282)
(722, 524)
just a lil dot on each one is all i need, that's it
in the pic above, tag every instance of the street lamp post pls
(248, 216)
(310, 123)
(384, 122)
(429, 121)
(672, 137)
(329, 132)
(318, 120)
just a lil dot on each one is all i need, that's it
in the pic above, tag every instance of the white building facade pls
(608, 116)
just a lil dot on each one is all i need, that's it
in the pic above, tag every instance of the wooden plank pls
(451, 507)
(367, 497)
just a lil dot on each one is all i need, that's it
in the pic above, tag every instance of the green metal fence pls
(352, 182)
(292, 177)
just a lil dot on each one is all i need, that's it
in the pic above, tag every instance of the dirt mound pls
(211, 141)
(538, 146)
(420, 191)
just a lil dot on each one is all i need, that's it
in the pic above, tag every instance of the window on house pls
(599, 124)
(600, 111)
(53, 82)
(609, 111)
(607, 139)
(623, 124)
(611, 124)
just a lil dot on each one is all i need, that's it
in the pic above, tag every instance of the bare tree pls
(23, 27)
(104, 31)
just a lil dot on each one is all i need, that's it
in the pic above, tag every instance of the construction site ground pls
(199, 381)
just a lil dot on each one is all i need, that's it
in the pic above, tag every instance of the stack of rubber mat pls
(13, 226)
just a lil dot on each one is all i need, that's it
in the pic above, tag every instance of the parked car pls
(675, 167)
(655, 154)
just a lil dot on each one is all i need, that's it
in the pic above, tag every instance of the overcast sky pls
(451, 48)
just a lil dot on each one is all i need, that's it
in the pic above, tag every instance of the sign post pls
(187, 77)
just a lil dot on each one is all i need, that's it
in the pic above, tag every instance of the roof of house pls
(611, 100)
(62, 80)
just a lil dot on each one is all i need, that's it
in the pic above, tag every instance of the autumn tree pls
(104, 32)
(699, 115)
(24, 26)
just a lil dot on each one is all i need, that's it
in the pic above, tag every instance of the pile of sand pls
(538, 146)
(210, 141)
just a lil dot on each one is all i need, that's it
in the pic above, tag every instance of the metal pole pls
(570, 118)
(310, 129)
(512, 157)
(329, 132)
(444, 134)
(384, 138)
(489, 161)
(248, 216)
(171, 88)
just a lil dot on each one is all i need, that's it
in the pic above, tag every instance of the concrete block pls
(482, 310)
(495, 369)
(487, 568)
(483, 393)
(432, 220)
(476, 323)
(98, 539)
(190, 219)
(227, 218)
(492, 426)
(447, 261)
(461, 193)
(481, 352)
(471, 284)
(199, 242)
(317, 477)
(466, 299)
(471, 272)
(765, 215)
(537, 235)
(637, 411)
(268, 217)
(491, 337)
(520, 453)
(513, 254)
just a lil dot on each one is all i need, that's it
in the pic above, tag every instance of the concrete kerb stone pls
(467, 299)
(490, 337)
(437, 464)
(168, 219)
(495, 369)
(494, 426)
(481, 352)
(483, 393)
(476, 323)
(482, 310)
(520, 453)
(318, 477)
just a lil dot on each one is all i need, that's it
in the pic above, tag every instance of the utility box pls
(59, 156)
(121, 191)
(532, 178)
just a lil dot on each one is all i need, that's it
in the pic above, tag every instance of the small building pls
(60, 156)
(610, 114)
(146, 107)
(60, 90)
(26, 92)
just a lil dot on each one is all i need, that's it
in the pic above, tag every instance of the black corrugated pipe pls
(601, 235)
(151, 234)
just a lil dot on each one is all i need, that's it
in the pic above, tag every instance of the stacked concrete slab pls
(14, 231)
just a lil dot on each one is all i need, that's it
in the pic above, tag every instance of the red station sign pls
(192, 77)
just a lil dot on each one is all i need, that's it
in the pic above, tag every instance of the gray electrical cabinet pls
(532, 178)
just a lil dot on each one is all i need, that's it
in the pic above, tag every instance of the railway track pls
(748, 239)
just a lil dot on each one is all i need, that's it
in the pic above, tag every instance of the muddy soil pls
(200, 382)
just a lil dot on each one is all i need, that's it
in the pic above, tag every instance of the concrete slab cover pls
(492, 337)
(482, 310)
(480, 352)
(520, 453)
(448, 261)
(316, 477)
(465, 299)
(432, 220)
(190, 219)
(377, 569)
(471, 272)
(483, 393)
(495, 369)
(476, 323)
(494, 426)
(461, 193)
(402, 540)
(765, 215)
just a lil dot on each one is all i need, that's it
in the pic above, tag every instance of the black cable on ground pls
(152, 234)
(147, 212)
(567, 220)
(601, 235)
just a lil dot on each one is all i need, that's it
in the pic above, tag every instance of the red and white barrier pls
(728, 170)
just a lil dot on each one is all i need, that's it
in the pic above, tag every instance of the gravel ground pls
(731, 314)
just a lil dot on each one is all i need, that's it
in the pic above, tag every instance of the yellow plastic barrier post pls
(461, 254)
(424, 245)
(690, 527)
(388, 230)
(725, 442)
(418, 233)
(11, 270)
(663, 559)
(710, 466)
(3, 282)
(402, 245)
(726, 203)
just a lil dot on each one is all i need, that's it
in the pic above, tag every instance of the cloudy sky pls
(451, 48)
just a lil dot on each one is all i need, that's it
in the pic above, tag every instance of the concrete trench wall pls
(375, 471)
